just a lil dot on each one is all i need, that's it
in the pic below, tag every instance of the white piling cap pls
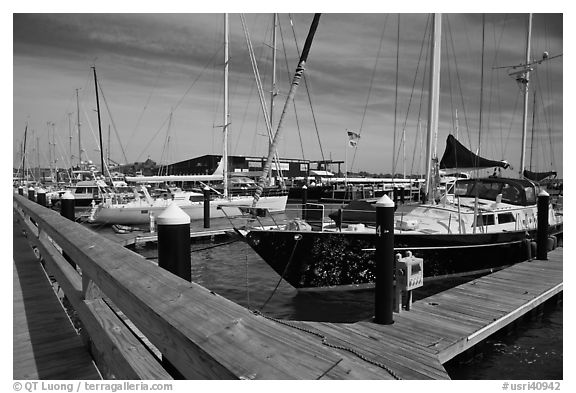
(67, 195)
(304, 187)
(173, 215)
(543, 193)
(206, 188)
(30, 188)
(384, 201)
(41, 191)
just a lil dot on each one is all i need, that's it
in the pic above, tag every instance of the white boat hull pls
(139, 212)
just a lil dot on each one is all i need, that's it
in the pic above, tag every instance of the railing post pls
(304, 201)
(20, 190)
(41, 197)
(206, 207)
(31, 193)
(384, 290)
(542, 232)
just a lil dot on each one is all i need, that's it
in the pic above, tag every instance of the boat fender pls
(534, 249)
(550, 243)
(527, 247)
(152, 223)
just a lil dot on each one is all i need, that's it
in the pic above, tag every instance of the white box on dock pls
(407, 225)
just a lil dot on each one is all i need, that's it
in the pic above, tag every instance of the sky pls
(161, 86)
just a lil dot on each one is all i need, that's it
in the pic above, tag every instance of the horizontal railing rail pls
(201, 334)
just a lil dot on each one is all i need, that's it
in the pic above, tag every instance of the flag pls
(353, 138)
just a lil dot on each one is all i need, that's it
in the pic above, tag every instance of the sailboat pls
(139, 210)
(478, 225)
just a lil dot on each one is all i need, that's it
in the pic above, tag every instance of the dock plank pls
(45, 344)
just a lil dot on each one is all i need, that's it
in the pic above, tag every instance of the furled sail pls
(458, 156)
(538, 176)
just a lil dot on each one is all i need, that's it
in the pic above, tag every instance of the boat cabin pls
(514, 191)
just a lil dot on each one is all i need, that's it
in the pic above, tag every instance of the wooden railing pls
(201, 334)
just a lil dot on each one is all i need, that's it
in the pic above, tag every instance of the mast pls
(99, 123)
(294, 86)
(79, 138)
(226, 114)
(525, 82)
(24, 153)
(49, 148)
(108, 150)
(38, 156)
(533, 127)
(434, 99)
(273, 89)
(70, 138)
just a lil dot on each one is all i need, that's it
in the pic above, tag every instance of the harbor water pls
(530, 351)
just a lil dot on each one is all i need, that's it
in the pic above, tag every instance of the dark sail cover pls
(458, 156)
(538, 176)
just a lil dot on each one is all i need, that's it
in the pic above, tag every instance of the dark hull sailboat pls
(478, 225)
(325, 259)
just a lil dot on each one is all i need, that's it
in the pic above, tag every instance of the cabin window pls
(504, 218)
(511, 194)
(530, 195)
(485, 219)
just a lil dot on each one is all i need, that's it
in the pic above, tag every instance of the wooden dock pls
(218, 227)
(46, 345)
(444, 325)
(206, 336)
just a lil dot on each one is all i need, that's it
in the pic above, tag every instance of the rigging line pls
(414, 84)
(394, 158)
(206, 65)
(498, 45)
(261, 93)
(507, 140)
(308, 91)
(426, 44)
(146, 104)
(458, 79)
(112, 121)
(481, 90)
(288, 76)
(368, 96)
(449, 68)
(546, 121)
(282, 276)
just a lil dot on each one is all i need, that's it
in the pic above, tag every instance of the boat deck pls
(45, 343)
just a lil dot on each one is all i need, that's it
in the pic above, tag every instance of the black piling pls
(41, 197)
(384, 290)
(206, 207)
(31, 193)
(21, 190)
(174, 242)
(174, 253)
(542, 233)
(67, 207)
(304, 201)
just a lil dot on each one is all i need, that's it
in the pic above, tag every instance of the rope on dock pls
(325, 342)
